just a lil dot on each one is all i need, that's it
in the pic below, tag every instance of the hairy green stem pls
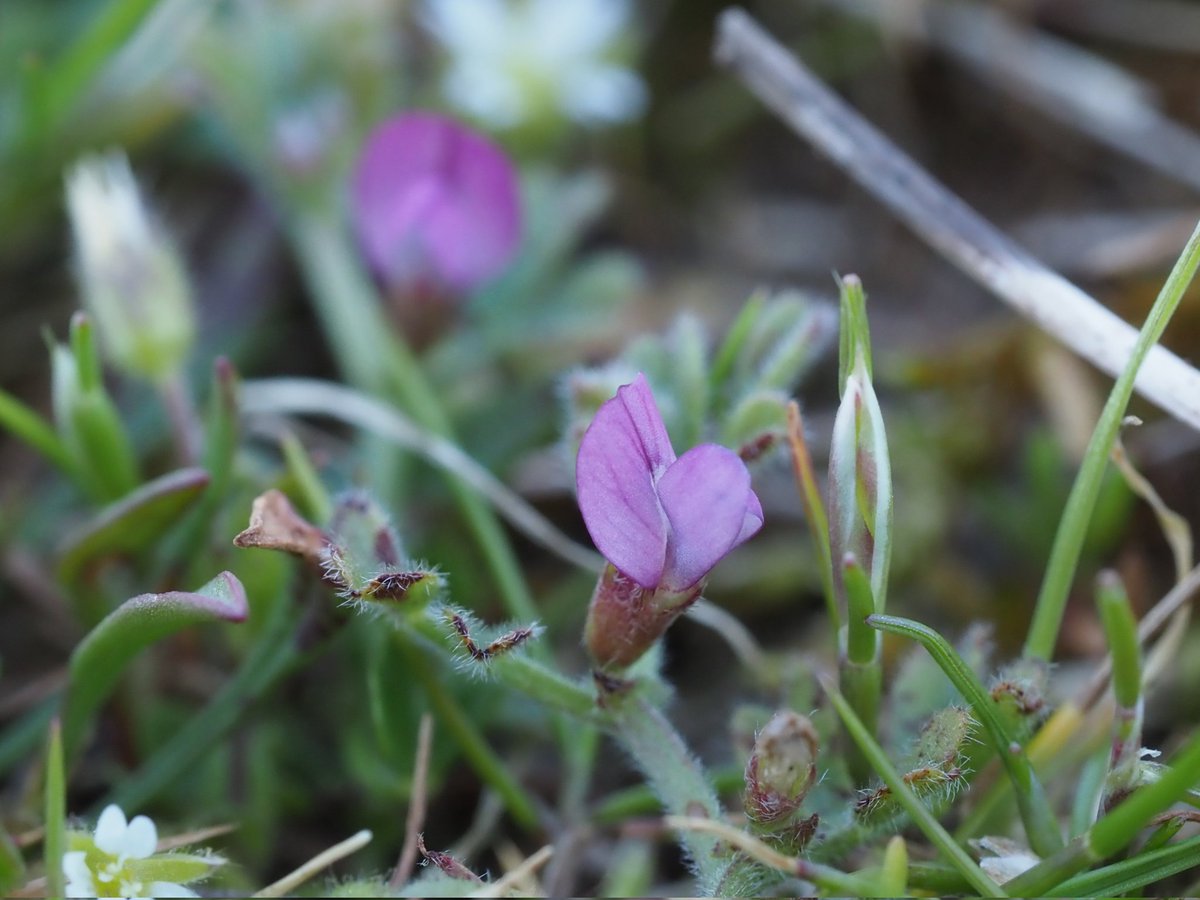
(675, 776)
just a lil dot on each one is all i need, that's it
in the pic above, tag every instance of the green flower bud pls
(131, 275)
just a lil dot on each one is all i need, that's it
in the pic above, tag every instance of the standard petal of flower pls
(141, 838)
(170, 889)
(110, 830)
(706, 496)
(647, 422)
(614, 477)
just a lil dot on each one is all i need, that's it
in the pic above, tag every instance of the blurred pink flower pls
(435, 205)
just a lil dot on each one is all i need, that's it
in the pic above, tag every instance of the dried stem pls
(417, 804)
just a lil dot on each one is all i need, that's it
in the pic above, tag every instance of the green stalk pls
(1041, 826)
(1072, 529)
(859, 671)
(56, 813)
(517, 670)
(920, 814)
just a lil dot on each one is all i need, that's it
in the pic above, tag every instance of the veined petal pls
(708, 502)
(110, 830)
(621, 453)
(141, 838)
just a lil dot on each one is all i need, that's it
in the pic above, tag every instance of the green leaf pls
(102, 656)
(24, 424)
(1073, 527)
(132, 523)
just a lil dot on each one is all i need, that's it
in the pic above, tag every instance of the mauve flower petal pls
(752, 522)
(706, 496)
(647, 422)
(614, 477)
(435, 201)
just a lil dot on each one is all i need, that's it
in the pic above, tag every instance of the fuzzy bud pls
(781, 769)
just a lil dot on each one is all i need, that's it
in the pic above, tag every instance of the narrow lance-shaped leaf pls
(1068, 540)
(99, 660)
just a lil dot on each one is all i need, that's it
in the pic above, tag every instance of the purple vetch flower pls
(435, 204)
(662, 522)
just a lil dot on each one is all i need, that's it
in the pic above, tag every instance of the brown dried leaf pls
(275, 525)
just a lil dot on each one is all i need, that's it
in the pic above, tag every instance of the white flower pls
(107, 867)
(513, 59)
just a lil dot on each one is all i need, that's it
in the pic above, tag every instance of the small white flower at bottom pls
(117, 842)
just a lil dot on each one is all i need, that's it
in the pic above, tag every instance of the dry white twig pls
(944, 221)
(288, 883)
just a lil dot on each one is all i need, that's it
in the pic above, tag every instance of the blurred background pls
(652, 184)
